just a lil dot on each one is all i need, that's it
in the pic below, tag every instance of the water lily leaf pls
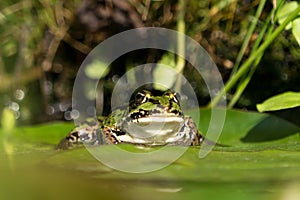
(251, 130)
(279, 102)
(260, 148)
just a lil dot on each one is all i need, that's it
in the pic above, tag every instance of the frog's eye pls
(141, 97)
(174, 97)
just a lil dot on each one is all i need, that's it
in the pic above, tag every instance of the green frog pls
(151, 119)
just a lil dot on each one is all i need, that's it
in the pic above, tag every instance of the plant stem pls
(245, 81)
(180, 62)
(244, 68)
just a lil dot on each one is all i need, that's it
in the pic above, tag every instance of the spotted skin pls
(113, 129)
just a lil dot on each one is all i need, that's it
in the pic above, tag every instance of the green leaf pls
(164, 74)
(285, 11)
(164, 77)
(296, 29)
(279, 102)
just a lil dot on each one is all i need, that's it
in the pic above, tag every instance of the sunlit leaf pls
(279, 102)
(164, 75)
(285, 11)
(296, 29)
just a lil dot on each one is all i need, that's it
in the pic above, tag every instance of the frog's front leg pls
(82, 134)
(110, 135)
(90, 135)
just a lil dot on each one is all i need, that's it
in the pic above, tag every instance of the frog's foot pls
(67, 143)
(195, 137)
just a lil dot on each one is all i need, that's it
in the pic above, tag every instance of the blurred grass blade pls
(180, 62)
(176, 65)
(281, 101)
(8, 122)
(248, 36)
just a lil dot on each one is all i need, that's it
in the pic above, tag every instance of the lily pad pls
(261, 160)
(251, 129)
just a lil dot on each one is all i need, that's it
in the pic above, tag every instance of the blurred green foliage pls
(43, 43)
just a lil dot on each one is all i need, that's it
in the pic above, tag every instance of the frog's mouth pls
(154, 130)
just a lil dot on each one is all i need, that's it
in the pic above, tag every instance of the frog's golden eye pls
(174, 96)
(142, 97)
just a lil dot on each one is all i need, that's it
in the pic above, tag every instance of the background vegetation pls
(44, 42)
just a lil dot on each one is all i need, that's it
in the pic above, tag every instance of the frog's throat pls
(152, 130)
(158, 119)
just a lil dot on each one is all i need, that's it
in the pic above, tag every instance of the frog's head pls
(146, 105)
(153, 118)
